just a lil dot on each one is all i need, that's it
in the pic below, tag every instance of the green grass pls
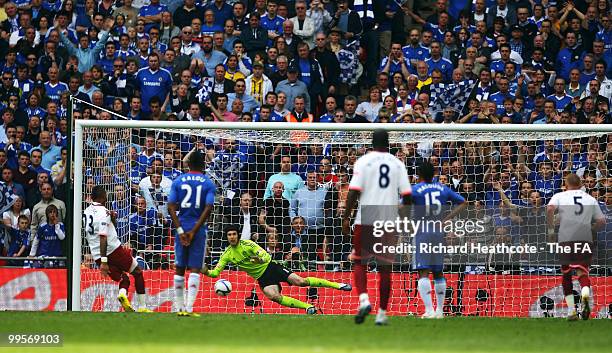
(157, 333)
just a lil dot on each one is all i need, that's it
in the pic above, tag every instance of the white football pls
(223, 287)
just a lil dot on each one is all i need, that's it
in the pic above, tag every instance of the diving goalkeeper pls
(257, 263)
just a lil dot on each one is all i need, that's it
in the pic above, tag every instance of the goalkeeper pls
(257, 263)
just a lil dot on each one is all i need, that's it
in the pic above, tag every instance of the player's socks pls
(320, 282)
(293, 303)
(364, 299)
(364, 308)
(585, 295)
(141, 300)
(425, 292)
(360, 278)
(123, 291)
(440, 288)
(381, 317)
(384, 288)
(179, 292)
(192, 290)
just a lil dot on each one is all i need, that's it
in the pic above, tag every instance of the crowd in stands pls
(525, 62)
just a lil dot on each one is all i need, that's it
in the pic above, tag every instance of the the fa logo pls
(583, 248)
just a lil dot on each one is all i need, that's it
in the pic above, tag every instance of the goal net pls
(285, 187)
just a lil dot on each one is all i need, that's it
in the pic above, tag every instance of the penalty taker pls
(473, 248)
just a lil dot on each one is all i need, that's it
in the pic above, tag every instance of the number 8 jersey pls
(97, 222)
(380, 178)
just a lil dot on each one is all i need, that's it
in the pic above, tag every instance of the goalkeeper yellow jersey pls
(247, 255)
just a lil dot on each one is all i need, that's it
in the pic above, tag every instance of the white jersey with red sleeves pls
(381, 178)
(97, 223)
(577, 210)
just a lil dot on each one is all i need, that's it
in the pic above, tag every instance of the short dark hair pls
(426, 171)
(231, 228)
(97, 192)
(196, 161)
(380, 139)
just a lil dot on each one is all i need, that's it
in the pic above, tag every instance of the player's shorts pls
(579, 258)
(274, 275)
(365, 244)
(119, 261)
(191, 256)
(428, 259)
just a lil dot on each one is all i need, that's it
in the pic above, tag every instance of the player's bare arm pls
(351, 202)
(104, 270)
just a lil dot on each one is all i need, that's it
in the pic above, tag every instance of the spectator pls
(10, 218)
(85, 54)
(58, 170)
(49, 236)
(154, 81)
(247, 100)
(39, 213)
(308, 202)
(245, 216)
(292, 87)
(274, 213)
(23, 174)
(303, 25)
(50, 153)
(19, 243)
(146, 232)
(15, 188)
(254, 37)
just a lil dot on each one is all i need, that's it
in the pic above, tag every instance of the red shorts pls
(119, 261)
(579, 258)
(366, 246)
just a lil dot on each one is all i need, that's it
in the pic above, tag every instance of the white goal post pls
(322, 134)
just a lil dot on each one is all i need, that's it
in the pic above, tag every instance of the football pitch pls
(157, 333)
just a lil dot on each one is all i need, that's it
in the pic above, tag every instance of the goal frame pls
(80, 125)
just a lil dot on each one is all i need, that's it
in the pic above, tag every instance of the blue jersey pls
(192, 192)
(49, 243)
(560, 102)
(19, 238)
(158, 83)
(144, 227)
(434, 196)
(54, 91)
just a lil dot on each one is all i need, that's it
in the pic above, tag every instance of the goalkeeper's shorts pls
(274, 275)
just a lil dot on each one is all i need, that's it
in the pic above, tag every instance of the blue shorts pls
(191, 256)
(428, 259)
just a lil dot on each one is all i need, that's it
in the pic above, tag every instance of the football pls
(223, 287)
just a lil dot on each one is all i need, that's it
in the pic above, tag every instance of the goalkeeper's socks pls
(440, 288)
(425, 292)
(293, 303)
(179, 292)
(571, 307)
(320, 282)
(192, 290)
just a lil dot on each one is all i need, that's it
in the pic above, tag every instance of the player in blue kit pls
(429, 198)
(190, 203)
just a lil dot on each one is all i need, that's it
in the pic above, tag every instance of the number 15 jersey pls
(191, 192)
(380, 178)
